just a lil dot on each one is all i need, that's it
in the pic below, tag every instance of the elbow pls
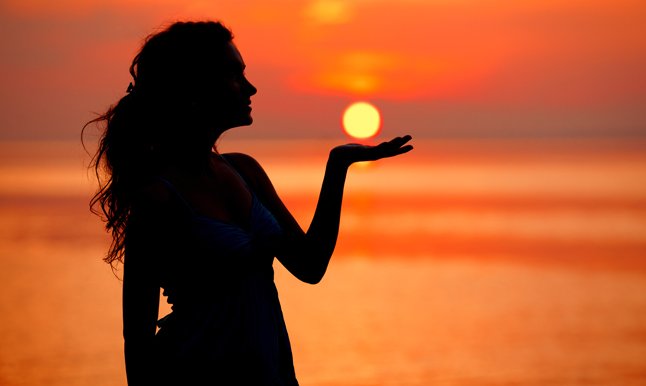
(312, 279)
(308, 270)
(313, 276)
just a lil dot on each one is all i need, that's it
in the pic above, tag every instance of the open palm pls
(353, 152)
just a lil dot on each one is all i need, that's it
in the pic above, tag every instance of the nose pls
(252, 89)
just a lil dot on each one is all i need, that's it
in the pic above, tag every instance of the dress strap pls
(177, 194)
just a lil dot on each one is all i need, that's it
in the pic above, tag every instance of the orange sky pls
(436, 68)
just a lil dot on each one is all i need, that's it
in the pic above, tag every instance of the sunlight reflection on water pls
(427, 287)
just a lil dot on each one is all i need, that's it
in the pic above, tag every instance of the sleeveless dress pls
(226, 326)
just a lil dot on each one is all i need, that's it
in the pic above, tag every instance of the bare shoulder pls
(247, 165)
(243, 160)
(251, 170)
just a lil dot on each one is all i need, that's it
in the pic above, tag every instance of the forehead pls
(233, 57)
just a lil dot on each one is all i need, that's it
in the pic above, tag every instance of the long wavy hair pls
(163, 116)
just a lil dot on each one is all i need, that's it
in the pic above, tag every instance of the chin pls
(246, 121)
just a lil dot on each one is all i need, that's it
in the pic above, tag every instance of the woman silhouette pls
(204, 226)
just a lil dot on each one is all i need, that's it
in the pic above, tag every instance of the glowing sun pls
(361, 120)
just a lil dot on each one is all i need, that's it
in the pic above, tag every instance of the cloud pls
(62, 59)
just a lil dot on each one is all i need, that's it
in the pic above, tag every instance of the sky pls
(435, 68)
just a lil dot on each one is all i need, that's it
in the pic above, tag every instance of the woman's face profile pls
(233, 91)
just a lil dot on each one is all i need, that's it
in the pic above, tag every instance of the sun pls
(361, 120)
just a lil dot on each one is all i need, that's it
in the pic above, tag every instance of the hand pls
(353, 152)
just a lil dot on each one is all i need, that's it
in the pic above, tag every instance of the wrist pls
(337, 161)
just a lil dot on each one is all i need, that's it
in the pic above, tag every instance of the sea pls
(463, 263)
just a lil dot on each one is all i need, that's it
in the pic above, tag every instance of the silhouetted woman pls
(204, 226)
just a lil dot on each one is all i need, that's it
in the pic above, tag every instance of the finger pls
(405, 149)
(399, 150)
(399, 141)
(394, 152)
(403, 138)
(393, 147)
(406, 138)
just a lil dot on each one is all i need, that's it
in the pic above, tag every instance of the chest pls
(221, 195)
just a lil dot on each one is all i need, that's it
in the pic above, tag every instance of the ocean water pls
(463, 263)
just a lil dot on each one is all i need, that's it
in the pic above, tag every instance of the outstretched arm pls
(307, 254)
